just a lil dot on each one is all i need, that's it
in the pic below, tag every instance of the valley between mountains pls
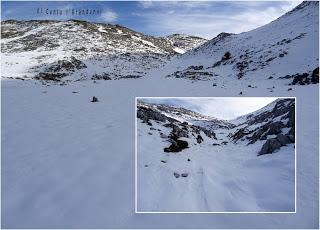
(188, 162)
(67, 162)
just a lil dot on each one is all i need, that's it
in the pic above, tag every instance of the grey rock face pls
(262, 132)
(270, 146)
(199, 139)
(179, 146)
(284, 140)
(147, 114)
(179, 132)
(60, 69)
(291, 138)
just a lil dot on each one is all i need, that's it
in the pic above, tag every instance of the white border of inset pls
(136, 161)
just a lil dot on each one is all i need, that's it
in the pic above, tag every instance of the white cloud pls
(109, 16)
(170, 4)
(146, 4)
(207, 19)
(230, 108)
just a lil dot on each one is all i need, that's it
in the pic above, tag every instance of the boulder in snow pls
(284, 140)
(270, 146)
(184, 174)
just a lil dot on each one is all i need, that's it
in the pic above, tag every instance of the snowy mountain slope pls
(274, 123)
(183, 43)
(50, 50)
(185, 115)
(284, 47)
(184, 168)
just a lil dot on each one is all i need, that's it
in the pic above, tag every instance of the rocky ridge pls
(52, 50)
(273, 125)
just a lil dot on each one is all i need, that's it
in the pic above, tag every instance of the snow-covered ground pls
(224, 178)
(67, 162)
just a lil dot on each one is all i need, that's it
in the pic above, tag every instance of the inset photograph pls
(215, 154)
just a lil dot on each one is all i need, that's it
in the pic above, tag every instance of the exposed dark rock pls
(262, 132)
(239, 134)
(60, 69)
(283, 140)
(315, 76)
(208, 133)
(177, 147)
(103, 76)
(226, 56)
(163, 161)
(176, 175)
(148, 114)
(270, 146)
(200, 67)
(199, 139)
(163, 135)
(241, 66)
(304, 78)
(284, 108)
(192, 74)
(291, 138)
(50, 76)
(184, 174)
(176, 130)
(94, 99)
(67, 65)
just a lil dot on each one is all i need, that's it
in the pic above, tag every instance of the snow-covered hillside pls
(188, 168)
(75, 50)
(274, 52)
(282, 52)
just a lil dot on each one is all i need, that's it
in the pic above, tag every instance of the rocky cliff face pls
(275, 124)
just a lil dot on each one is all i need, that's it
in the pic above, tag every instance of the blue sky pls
(226, 108)
(160, 18)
